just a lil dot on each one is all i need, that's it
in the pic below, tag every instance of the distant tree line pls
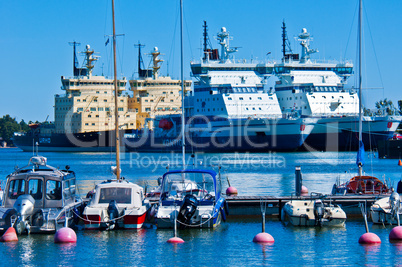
(9, 125)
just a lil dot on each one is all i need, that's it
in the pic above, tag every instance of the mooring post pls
(298, 182)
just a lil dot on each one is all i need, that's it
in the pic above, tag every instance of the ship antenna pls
(285, 41)
(140, 61)
(205, 34)
(75, 60)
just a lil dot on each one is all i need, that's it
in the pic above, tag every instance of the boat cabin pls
(125, 194)
(49, 187)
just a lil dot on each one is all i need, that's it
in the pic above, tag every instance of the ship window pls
(246, 108)
(259, 98)
(120, 195)
(93, 109)
(95, 100)
(147, 109)
(105, 92)
(97, 92)
(120, 109)
(97, 116)
(250, 98)
(229, 98)
(259, 108)
(100, 109)
(84, 100)
(86, 123)
(35, 188)
(53, 190)
(146, 100)
(93, 124)
(17, 188)
(89, 116)
(78, 100)
(104, 100)
(253, 108)
(107, 109)
(171, 100)
(241, 98)
(80, 109)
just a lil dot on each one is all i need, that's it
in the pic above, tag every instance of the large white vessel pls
(230, 110)
(317, 90)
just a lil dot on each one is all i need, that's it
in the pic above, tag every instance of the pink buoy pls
(396, 233)
(65, 235)
(175, 240)
(369, 238)
(231, 191)
(9, 236)
(263, 238)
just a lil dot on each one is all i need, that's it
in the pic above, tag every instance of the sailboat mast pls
(182, 85)
(116, 110)
(360, 71)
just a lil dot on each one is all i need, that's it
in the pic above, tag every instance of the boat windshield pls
(16, 188)
(120, 195)
(181, 184)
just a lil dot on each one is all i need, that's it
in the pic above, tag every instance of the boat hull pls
(302, 213)
(98, 218)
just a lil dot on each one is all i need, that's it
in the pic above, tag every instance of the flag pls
(360, 154)
(107, 41)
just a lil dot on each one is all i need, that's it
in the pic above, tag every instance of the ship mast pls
(182, 86)
(361, 145)
(116, 94)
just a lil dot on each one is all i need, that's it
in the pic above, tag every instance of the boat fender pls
(223, 213)
(151, 213)
(225, 203)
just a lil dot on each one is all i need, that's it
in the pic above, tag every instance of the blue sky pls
(35, 34)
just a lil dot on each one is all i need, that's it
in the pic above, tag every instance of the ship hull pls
(342, 133)
(58, 142)
(247, 135)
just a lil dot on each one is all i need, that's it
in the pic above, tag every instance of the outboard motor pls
(187, 210)
(318, 212)
(24, 205)
(113, 212)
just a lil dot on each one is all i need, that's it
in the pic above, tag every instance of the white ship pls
(230, 110)
(317, 90)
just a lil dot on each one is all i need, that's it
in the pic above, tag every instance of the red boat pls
(364, 185)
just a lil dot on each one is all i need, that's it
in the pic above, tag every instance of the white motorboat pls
(116, 203)
(387, 210)
(192, 197)
(39, 198)
(313, 212)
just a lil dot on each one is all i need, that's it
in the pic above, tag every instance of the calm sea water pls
(229, 244)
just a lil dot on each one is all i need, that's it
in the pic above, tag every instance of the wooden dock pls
(245, 206)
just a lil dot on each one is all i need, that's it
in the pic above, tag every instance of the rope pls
(198, 225)
(91, 221)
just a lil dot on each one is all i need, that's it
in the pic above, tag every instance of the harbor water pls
(229, 244)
